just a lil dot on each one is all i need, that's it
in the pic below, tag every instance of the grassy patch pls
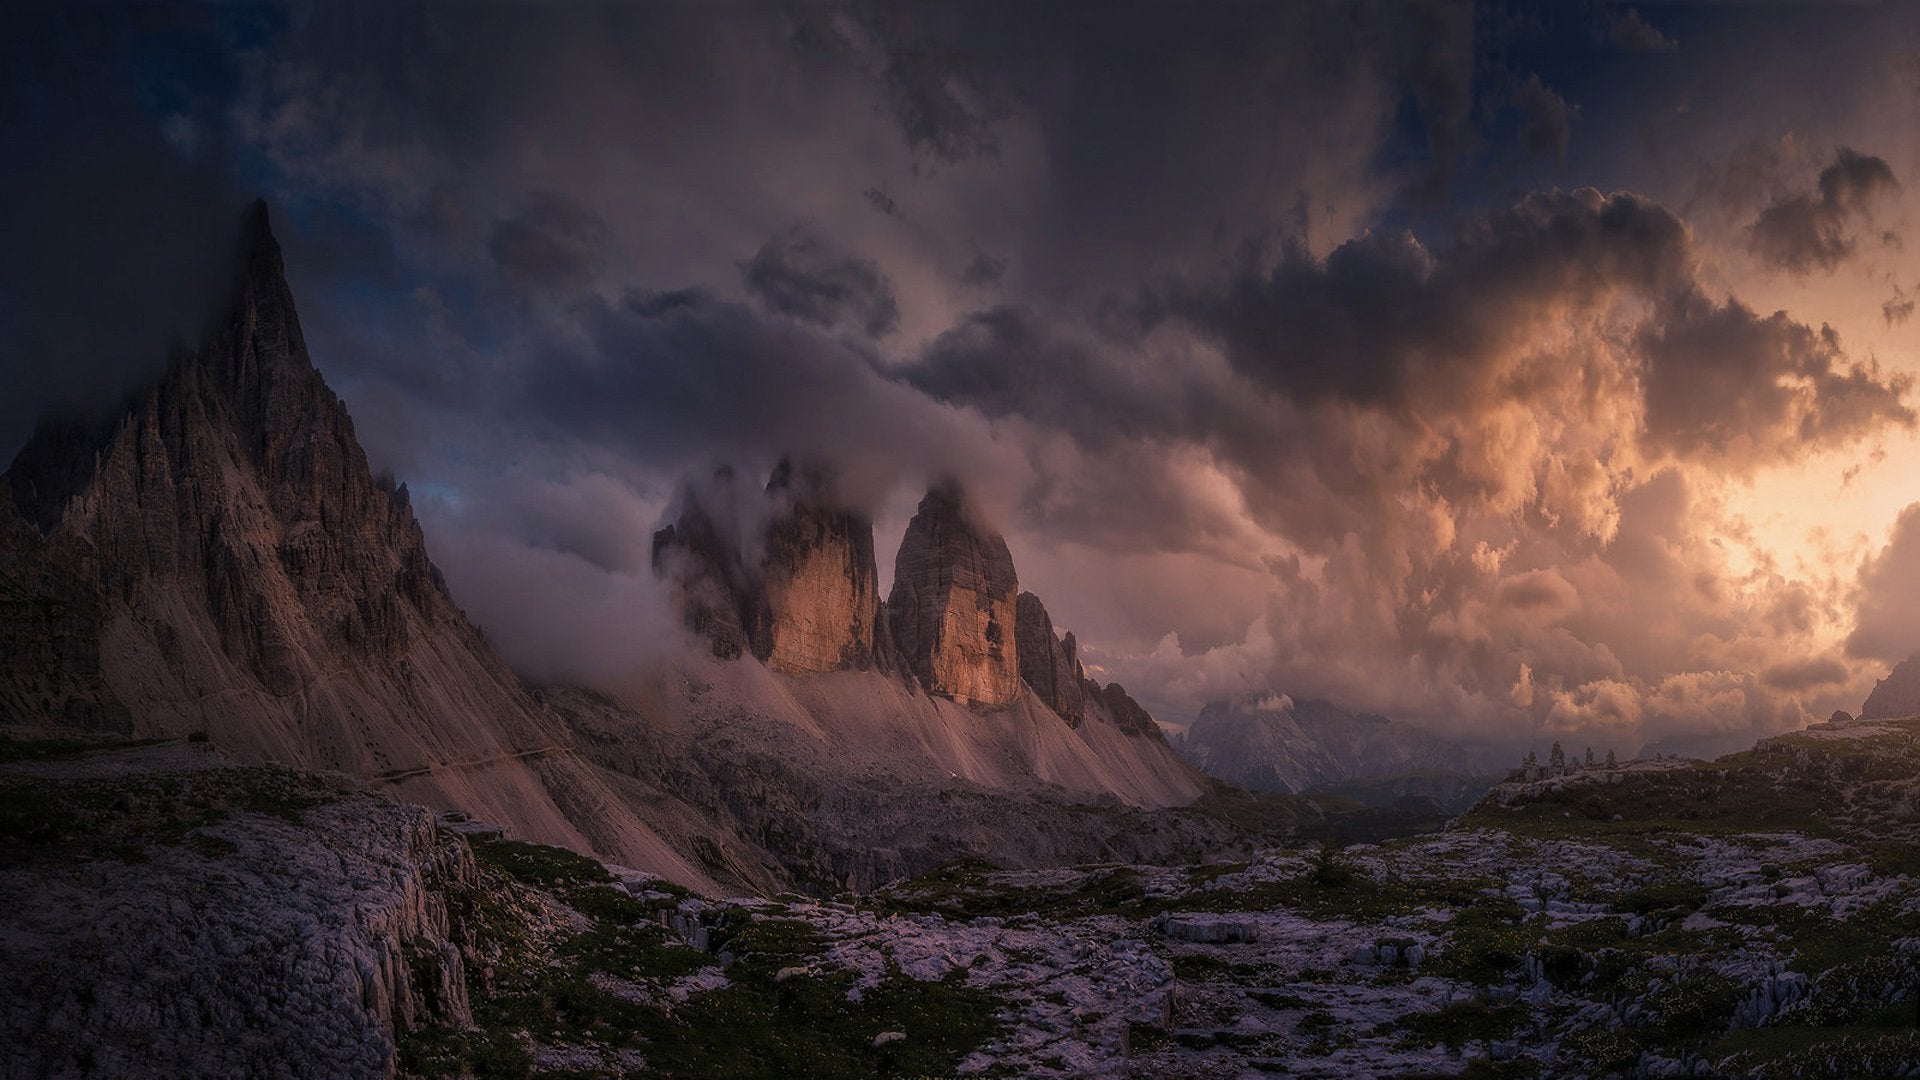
(1464, 1023)
(1335, 891)
(1877, 1049)
(119, 818)
(539, 864)
(969, 890)
(1601, 1050)
(756, 1025)
(62, 749)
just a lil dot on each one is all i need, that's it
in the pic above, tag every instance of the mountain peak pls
(953, 607)
(808, 603)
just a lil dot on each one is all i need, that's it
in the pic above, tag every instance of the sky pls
(1522, 370)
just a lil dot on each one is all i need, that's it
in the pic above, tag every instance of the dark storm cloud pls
(683, 378)
(1546, 120)
(116, 207)
(1801, 675)
(940, 111)
(549, 242)
(1435, 51)
(1724, 383)
(940, 93)
(1887, 604)
(1383, 315)
(1629, 31)
(1010, 360)
(983, 271)
(1454, 456)
(1897, 308)
(1808, 231)
(797, 274)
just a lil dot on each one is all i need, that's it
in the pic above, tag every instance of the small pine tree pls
(1530, 760)
(1589, 757)
(1612, 762)
(1557, 757)
(1329, 867)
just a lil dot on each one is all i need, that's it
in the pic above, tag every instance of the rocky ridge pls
(218, 558)
(1896, 695)
(172, 914)
(1050, 665)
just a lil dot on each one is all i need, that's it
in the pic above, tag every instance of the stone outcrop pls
(1897, 695)
(1127, 714)
(203, 919)
(952, 607)
(810, 602)
(1050, 664)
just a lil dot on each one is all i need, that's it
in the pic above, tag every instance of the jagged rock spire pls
(1049, 664)
(238, 479)
(952, 607)
(809, 603)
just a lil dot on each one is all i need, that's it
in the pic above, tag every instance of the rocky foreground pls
(1754, 916)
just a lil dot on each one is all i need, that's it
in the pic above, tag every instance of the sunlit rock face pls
(1896, 695)
(822, 587)
(953, 607)
(786, 574)
(1050, 664)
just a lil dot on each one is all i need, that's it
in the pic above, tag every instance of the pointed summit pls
(1050, 665)
(219, 559)
(235, 491)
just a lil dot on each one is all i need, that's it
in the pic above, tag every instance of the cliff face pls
(810, 602)
(953, 604)
(822, 586)
(1049, 664)
(718, 595)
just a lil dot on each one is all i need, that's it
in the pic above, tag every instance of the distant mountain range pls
(1269, 742)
